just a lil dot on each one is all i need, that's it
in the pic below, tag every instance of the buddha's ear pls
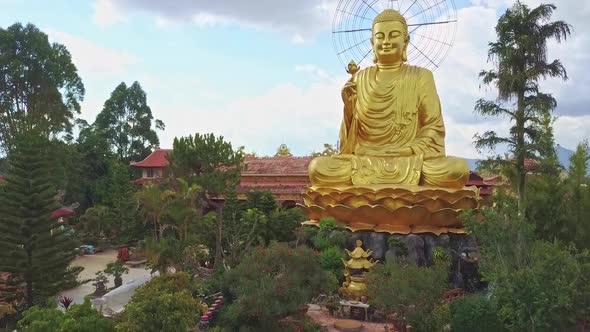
(405, 50)
(373, 48)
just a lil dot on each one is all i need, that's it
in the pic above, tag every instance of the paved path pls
(323, 318)
(93, 264)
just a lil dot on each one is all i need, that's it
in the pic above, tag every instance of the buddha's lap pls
(444, 171)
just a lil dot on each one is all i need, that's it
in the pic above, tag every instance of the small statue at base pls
(355, 287)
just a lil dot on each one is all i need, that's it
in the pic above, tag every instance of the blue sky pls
(266, 73)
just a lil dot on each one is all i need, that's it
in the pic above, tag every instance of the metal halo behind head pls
(432, 26)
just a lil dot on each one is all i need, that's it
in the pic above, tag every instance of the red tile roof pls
(155, 159)
(276, 165)
(1, 179)
(62, 212)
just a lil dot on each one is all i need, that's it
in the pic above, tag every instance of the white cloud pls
(297, 39)
(90, 57)
(571, 130)
(303, 118)
(106, 13)
(303, 18)
(313, 72)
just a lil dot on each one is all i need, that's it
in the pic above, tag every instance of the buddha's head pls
(390, 37)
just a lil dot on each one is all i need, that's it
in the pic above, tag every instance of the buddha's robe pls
(384, 116)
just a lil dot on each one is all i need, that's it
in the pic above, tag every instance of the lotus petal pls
(316, 212)
(393, 203)
(393, 229)
(340, 212)
(445, 217)
(373, 214)
(465, 203)
(360, 226)
(433, 204)
(411, 216)
(325, 200)
(356, 201)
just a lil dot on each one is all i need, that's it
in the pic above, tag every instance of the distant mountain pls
(563, 156)
(472, 163)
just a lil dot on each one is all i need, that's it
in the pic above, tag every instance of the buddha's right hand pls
(349, 91)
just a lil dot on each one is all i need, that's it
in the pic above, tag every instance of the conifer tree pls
(32, 244)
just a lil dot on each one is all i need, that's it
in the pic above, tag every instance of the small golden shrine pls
(355, 287)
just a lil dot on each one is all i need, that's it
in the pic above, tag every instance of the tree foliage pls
(32, 243)
(164, 304)
(211, 163)
(78, 318)
(520, 58)
(535, 284)
(127, 123)
(39, 85)
(207, 161)
(271, 283)
(401, 287)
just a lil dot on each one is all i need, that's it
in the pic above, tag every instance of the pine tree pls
(32, 245)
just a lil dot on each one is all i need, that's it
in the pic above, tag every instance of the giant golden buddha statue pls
(392, 147)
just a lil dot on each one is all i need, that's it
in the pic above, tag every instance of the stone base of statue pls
(393, 210)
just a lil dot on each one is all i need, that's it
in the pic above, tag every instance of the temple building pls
(286, 177)
(153, 166)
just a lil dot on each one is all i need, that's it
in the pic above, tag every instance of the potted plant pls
(100, 284)
(116, 269)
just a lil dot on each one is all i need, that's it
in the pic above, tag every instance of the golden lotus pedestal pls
(394, 210)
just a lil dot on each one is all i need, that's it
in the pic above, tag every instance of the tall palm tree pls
(520, 58)
(153, 203)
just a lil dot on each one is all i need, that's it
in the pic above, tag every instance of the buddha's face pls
(389, 40)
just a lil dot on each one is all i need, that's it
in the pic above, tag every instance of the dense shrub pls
(78, 318)
(271, 283)
(401, 287)
(474, 313)
(163, 304)
(331, 260)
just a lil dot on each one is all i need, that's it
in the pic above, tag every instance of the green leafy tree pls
(187, 207)
(271, 283)
(32, 244)
(78, 318)
(579, 198)
(98, 221)
(39, 85)
(163, 304)
(127, 122)
(520, 56)
(283, 223)
(95, 161)
(535, 285)
(243, 229)
(120, 199)
(154, 201)
(475, 313)
(401, 287)
(211, 163)
(117, 270)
